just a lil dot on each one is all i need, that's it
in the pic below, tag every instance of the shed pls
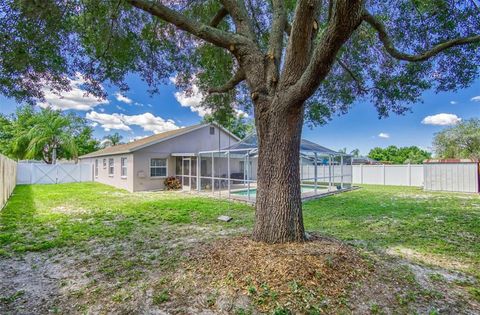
(455, 175)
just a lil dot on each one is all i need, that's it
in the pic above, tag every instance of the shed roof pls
(144, 142)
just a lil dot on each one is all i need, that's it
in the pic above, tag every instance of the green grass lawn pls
(432, 227)
(39, 217)
(442, 227)
(125, 244)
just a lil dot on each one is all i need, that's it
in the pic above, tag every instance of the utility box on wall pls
(456, 175)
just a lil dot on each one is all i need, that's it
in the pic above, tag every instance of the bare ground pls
(199, 270)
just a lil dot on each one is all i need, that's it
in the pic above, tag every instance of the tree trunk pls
(278, 217)
(54, 155)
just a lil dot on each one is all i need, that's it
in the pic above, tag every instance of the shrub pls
(172, 183)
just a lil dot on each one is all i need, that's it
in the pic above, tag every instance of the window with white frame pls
(123, 164)
(96, 167)
(158, 167)
(110, 167)
(104, 163)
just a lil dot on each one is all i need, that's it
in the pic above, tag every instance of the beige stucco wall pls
(192, 142)
(116, 180)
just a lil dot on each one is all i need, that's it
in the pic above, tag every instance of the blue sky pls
(137, 114)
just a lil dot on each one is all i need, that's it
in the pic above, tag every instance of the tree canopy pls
(402, 155)
(45, 135)
(459, 141)
(45, 42)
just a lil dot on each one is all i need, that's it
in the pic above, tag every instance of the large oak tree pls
(290, 61)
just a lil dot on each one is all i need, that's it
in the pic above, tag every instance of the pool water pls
(253, 191)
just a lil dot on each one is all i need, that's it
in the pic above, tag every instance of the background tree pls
(13, 130)
(285, 60)
(239, 125)
(461, 141)
(52, 132)
(403, 155)
(110, 140)
(45, 135)
(355, 152)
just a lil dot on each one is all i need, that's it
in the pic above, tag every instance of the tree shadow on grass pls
(18, 212)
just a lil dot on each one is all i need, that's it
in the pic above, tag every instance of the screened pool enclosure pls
(231, 172)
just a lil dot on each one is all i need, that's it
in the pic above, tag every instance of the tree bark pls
(278, 217)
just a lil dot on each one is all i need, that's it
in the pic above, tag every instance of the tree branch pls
(203, 31)
(221, 14)
(392, 51)
(288, 28)
(300, 42)
(352, 75)
(237, 78)
(345, 19)
(275, 44)
(239, 14)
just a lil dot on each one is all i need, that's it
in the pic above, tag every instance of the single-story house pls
(144, 164)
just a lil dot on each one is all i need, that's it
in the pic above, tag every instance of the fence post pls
(383, 173)
(409, 175)
(361, 173)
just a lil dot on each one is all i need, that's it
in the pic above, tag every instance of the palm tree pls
(111, 140)
(52, 132)
(355, 152)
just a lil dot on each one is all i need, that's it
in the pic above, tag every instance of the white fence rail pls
(40, 173)
(8, 170)
(399, 175)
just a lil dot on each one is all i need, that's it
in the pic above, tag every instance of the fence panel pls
(399, 175)
(8, 170)
(454, 177)
(40, 173)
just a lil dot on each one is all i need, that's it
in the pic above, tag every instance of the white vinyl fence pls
(41, 173)
(8, 169)
(455, 177)
(399, 175)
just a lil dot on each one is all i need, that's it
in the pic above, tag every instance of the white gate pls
(40, 173)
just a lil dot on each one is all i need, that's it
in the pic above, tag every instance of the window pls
(158, 167)
(123, 164)
(242, 167)
(96, 168)
(110, 167)
(212, 130)
(104, 163)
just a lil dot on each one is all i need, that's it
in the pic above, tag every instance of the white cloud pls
(193, 100)
(453, 102)
(108, 121)
(383, 135)
(150, 122)
(76, 98)
(240, 112)
(120, 108)
(147, 121)
(122, 98)
(475, 98)
(441, 120)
